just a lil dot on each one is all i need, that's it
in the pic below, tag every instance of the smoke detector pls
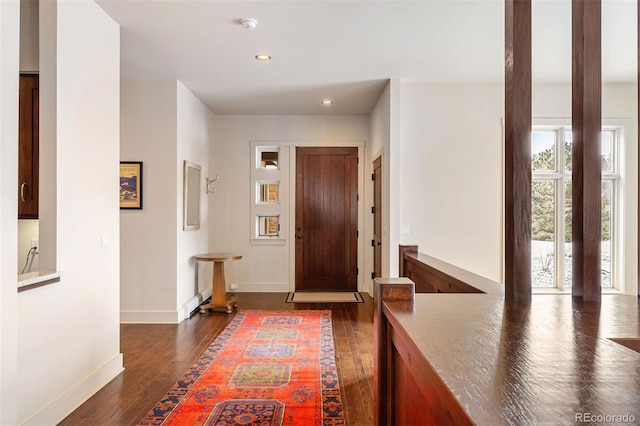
(249, 23)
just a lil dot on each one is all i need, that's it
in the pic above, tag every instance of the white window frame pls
(280, 208)
(562, 177)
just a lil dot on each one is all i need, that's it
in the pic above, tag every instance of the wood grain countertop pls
(540, 363)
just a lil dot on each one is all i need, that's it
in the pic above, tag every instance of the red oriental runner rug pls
(266, 368)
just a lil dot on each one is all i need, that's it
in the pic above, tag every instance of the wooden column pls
(586, 162)
(518, 150)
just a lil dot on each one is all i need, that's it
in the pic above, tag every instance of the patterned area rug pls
(266, 368)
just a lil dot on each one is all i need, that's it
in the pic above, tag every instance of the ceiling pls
(346, 50)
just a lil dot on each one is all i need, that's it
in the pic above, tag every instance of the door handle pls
(299, 237)
(22, 187)
(379, 243)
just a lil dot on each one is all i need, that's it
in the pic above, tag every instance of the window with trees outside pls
(551, 206)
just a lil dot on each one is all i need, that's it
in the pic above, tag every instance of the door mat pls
(324, 297)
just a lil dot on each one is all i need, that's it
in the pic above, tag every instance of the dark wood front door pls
(326, 219)
(377, 217)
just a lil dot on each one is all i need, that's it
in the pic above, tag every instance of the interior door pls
(377, 217)
(326, 219)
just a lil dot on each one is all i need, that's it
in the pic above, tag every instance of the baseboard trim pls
(66, 403)
(149, 317)
(165, 317)
(276, 287)
(193, 303)
(273, 287)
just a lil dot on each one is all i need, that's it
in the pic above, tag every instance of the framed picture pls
(131, 184)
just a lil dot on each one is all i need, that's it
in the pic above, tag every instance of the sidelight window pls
(268, 226)
(268, 158)
(269, 193)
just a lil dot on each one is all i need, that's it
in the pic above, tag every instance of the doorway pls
(377, 217)
(326, 226)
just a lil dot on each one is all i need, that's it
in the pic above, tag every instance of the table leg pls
(219, 299)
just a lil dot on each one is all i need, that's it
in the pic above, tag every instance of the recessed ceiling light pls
(263, 58)
(327, 102)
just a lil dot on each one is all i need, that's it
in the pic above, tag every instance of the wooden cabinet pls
(28, 147)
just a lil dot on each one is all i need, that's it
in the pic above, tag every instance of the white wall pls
(29, 33)
(395, 174)
(148, 239)
(163, 124)
(385, 142)
(9, 63)
(48, 179)
(268, 267)
(380, 124)
(28, 230)
(68, 332)
(194, 138)
(451, 162)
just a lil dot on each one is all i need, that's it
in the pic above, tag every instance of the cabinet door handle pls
(22, 187)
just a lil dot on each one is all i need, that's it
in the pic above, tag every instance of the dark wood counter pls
(475, 359)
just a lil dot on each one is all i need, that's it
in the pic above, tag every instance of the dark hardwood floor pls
(156, 355)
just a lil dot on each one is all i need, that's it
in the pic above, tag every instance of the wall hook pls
(210, 182)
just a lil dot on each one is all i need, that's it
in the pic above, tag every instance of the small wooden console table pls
(219, 299)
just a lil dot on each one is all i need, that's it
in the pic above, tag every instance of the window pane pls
(605, 246)
(543, 266)
(268, 226)
(568, 263)
(607, 148)
(543, 151)
(269, 192)
(269, 159)
(568, 145)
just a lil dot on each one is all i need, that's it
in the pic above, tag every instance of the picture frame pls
(131, 185)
